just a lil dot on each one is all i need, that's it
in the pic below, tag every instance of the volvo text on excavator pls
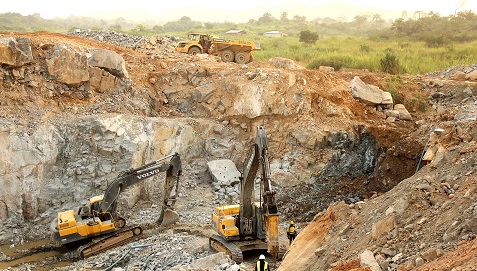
(99, 223)
(249, 225)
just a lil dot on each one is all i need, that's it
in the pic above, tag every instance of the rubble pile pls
(139, 43)
(459, 72)
(225, 181)
(166, 251)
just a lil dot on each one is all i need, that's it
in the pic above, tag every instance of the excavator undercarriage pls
(107, 242)
(235, 249)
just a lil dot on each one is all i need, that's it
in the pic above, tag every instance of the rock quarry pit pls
(374, 179)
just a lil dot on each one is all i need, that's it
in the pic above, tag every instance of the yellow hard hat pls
(291, 222)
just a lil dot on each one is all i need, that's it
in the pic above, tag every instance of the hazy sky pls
(134, 8)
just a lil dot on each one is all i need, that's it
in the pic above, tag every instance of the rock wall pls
(60, 165)
(354, 154)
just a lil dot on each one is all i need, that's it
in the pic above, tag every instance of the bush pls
(364, 48)
(434, 41)
(389, 64)
(307, 36)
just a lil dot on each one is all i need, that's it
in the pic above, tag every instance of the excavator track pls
(219, 244)
(110, 241)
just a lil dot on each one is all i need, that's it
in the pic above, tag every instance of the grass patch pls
(363, 53)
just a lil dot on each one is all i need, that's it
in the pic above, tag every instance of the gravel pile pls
(449, 72)
(161, 252)
(125, 40)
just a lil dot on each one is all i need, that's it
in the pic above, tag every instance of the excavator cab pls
(95, 203)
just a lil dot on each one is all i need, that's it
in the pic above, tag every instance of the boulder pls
(223, 171)
(203, 93)
(366, 258)
(459, 75)
(285, 63)
(251, 103)
(15, 52)
(68, 65)
(429, 255)
(439, 156)
(382, 227)
(387, 98)
(403, 113)
(368, 94)
(101, 80)
(472, 75)
(391, 113)
(110, 61)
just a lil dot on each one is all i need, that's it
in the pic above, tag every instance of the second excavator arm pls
(258, 160)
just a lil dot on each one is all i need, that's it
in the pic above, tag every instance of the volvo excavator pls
(99, 225)
(249, 225)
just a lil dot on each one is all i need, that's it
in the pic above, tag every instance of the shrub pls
(404, 45)
(307, 36)
(389, 63)
(364, 48)
(434, 41)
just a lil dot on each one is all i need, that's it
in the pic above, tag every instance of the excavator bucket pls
(271, 229)
(170, 217)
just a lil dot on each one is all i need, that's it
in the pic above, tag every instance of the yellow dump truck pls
(238, 51)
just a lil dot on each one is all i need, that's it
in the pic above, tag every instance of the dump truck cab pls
(196, 44)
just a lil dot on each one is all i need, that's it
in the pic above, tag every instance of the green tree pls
(297, 18)
(209, 26)
(266, 18)
(284, 16)
(139, 30)
(158, 28)
(184, 24)
(360, 19)
(309, 37)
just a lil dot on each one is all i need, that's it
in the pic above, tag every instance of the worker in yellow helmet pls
(261, 265)
(291, 232)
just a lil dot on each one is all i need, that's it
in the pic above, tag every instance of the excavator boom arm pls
(257, 160)
(135, 175)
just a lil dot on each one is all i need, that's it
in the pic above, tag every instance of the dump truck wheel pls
(250, 59)
(194, 51)
(241, 58)
(227, 56)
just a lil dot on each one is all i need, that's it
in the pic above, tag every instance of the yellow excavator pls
(249, 225)
(99, 225)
